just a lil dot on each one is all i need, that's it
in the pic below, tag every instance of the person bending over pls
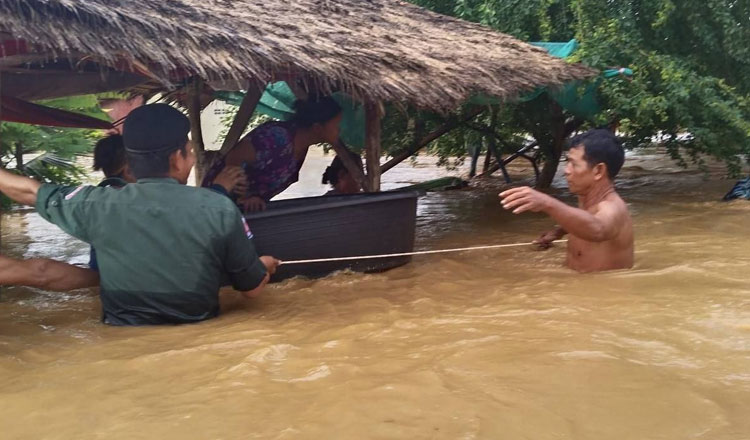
(273, 153)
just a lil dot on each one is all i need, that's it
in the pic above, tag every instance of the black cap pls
(155, 128)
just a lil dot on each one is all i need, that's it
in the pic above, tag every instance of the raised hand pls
(524, 199)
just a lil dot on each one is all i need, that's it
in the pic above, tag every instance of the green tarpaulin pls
(577, 97)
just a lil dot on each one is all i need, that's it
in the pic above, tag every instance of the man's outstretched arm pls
(45, 274)
(597, 227)
(20, 189)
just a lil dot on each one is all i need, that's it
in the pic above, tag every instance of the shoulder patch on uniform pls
(247, 228)
(75, 191)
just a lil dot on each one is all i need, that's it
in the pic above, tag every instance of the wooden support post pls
(443, 129)
(196, 132)
(373, 114)
(242, 118)
(476, 150)
(492, 144)
(492, 147)
(487, 160)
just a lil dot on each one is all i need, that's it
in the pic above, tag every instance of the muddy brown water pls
(485, 345)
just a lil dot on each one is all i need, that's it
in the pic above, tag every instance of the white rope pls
(405, 254)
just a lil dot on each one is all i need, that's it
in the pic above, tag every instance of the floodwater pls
(484, 345)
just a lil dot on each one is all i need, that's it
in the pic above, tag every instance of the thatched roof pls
(381, 50)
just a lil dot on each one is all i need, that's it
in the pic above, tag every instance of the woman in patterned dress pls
(273, 153)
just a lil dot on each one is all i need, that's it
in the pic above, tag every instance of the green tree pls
(691, 84)
(692, 72)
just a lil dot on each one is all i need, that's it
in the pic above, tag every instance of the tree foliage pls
(691, 62)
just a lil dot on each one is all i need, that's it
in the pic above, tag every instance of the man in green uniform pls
(163, 248)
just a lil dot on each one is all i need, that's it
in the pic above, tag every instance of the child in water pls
(339, 177)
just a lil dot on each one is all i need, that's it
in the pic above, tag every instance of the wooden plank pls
(242, 118)
(373, 114)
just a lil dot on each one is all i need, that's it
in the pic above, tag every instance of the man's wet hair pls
(109, 156)
(601, 146)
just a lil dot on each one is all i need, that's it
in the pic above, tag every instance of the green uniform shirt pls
(163, 249)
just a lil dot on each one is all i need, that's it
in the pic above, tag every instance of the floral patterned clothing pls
(274, 168)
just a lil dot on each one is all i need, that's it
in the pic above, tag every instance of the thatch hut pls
(375, 50)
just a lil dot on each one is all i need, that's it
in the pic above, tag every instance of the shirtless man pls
(601, 230)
